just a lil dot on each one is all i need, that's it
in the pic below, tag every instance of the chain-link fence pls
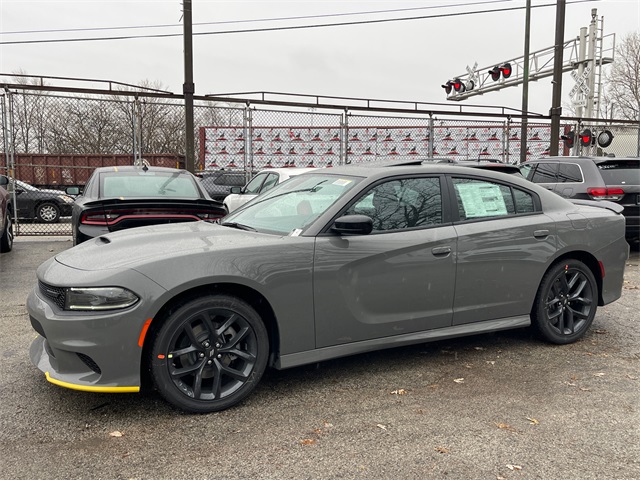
(52, 141)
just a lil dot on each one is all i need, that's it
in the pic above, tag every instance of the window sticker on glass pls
(342, 182)
(481, 200)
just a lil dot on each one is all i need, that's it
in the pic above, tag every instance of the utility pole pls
(525, 85)
(188, 87)
(556, 108)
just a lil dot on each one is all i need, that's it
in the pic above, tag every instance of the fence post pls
(506, 140)
(431, 136)
(247, 122)
(10, 147)
(344, 144)
(137, 131)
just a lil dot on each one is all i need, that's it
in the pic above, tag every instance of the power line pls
(295, 27)
(274, 19)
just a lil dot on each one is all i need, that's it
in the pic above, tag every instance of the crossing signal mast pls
(583, 56)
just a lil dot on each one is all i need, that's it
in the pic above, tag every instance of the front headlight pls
(99, 298)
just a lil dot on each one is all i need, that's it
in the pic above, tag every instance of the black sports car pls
(116, 198)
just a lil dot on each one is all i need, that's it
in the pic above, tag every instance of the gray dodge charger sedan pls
(331, 263)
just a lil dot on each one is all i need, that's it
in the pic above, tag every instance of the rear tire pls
(209, 354)
(566, 302)
(6, 240)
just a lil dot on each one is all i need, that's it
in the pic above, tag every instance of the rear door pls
(504, 242)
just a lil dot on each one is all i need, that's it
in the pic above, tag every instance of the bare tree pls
(623, 81)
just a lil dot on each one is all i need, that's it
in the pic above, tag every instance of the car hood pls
(137, 246)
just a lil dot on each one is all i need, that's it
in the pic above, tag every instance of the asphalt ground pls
(495, 406)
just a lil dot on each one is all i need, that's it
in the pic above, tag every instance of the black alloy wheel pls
(566, 302)
(209, 354)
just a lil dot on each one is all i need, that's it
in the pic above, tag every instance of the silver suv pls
(593, 178)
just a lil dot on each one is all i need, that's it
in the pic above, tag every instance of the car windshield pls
(290, 207)
(148, 184)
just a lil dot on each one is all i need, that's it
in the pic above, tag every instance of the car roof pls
(290, 171)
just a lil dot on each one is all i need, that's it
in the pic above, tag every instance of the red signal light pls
(506, 70)
(569, 139)
(458, 86)
(495, 73)
(585, 137)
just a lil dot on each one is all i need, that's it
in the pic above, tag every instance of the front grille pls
(88, 361)
(55, 294)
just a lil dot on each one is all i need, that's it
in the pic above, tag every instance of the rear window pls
(620, 172)
(148, 184)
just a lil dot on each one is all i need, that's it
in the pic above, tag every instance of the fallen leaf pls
(599, 374)
(328, 425)
(116, 434)
(307, 441)
(505, 426)
(469, 365)
(600, 331)
(317, 431)
(383, 427)
(458, 380)
(533, 421)
(441, 450)
(514, 467)
(400, 391)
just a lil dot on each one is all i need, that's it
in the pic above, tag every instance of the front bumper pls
(90, 351)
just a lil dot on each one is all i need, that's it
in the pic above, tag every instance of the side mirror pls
(236, 190)
(353, 225)
(72, 190)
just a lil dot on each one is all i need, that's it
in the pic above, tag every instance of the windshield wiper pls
(239, 226)
(313, 189)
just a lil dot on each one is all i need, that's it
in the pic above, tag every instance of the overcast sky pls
(403, 60)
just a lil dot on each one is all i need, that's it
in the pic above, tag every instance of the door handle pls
(441, 250)
(541, 233)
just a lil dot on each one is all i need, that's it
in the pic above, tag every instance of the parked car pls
(330, 263)
(42, 205)
(6, 226)
(117, 198)
(261, 183)
(593, 178)
(218, 183)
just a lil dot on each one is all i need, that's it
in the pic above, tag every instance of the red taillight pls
(113, 217)
(603, 193)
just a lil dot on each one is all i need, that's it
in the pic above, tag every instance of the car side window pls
(253, 187)
(524, 201)
(400, 204)
(480, 199)
(270, 182)
(545, 173)
(569, 172)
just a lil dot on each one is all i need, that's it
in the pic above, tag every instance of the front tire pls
(566, 302)
(48, 212)
(209, 354)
